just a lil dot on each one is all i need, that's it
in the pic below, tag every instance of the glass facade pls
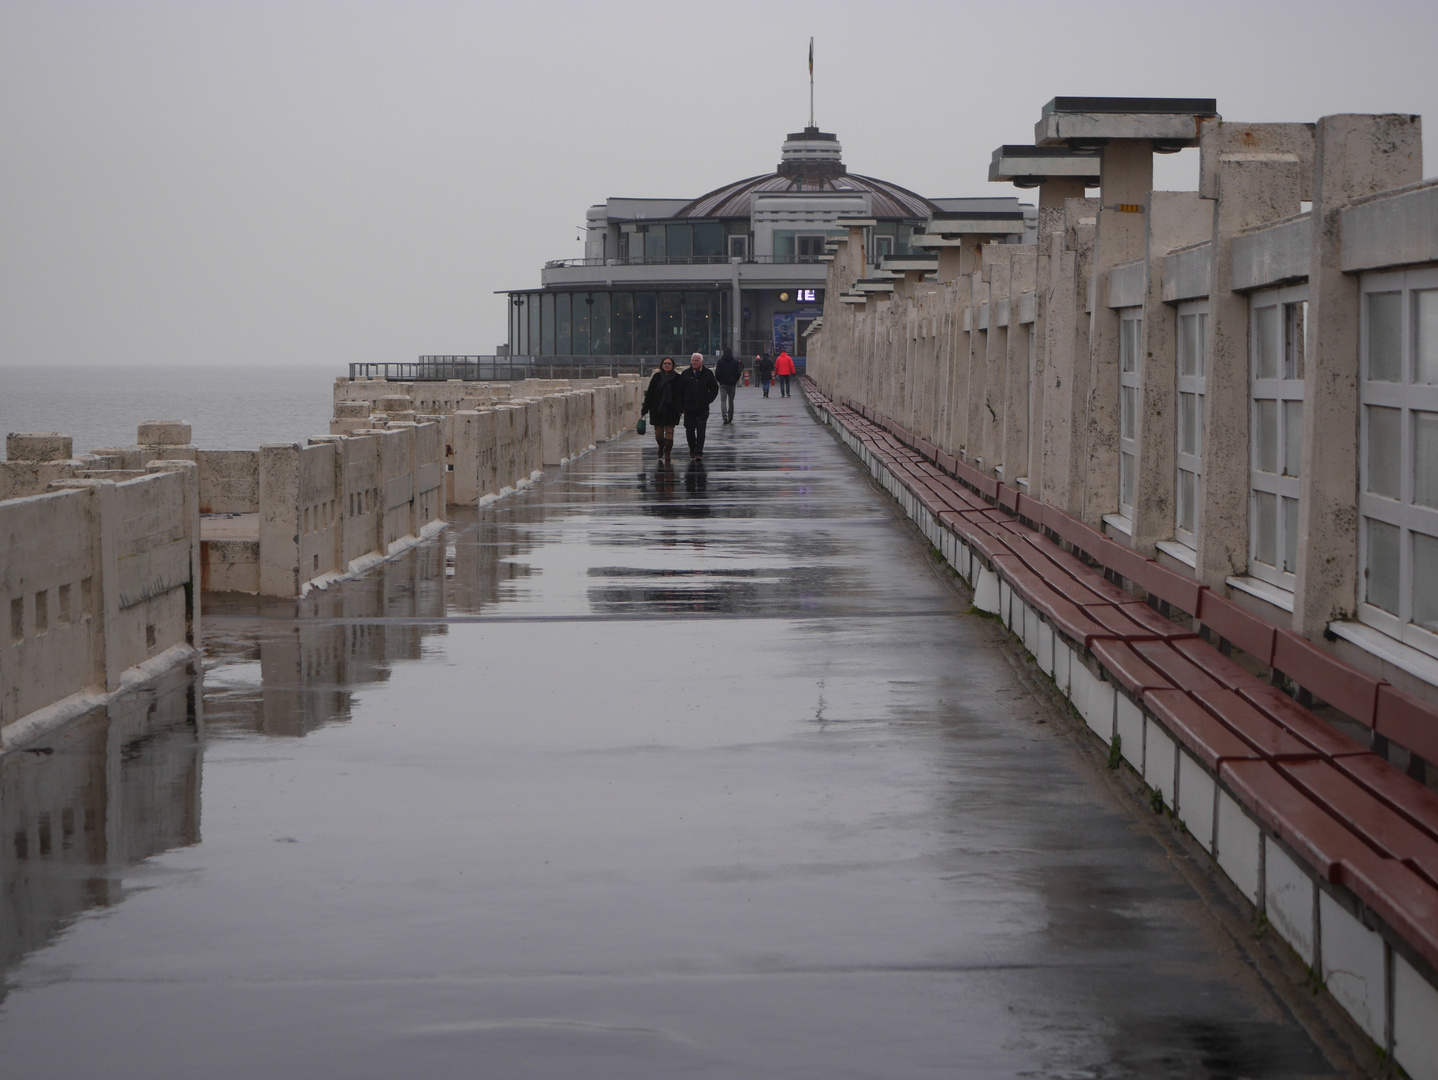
(600, 323)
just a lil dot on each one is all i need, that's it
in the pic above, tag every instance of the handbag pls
(639, 427)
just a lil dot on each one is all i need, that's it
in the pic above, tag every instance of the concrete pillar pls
(1355, 156)
(191, 511)
(1126, 178)
(1066, 336)
(1252, 174)
(1014, 447)
(279, 519)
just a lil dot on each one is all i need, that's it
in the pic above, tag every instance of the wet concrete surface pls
(639, 773)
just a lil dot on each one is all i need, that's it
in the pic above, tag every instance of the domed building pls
(741, 266)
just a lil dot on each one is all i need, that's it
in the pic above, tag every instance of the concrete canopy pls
(1089, 122)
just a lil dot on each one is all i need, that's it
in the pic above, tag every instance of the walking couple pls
(673, 395)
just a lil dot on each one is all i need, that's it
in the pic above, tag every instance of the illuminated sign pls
(806, 296)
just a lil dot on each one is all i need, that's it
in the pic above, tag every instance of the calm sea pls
(227, 408)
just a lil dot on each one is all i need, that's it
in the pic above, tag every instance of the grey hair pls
(697, 356)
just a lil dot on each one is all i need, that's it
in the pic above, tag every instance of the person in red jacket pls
(784, 368)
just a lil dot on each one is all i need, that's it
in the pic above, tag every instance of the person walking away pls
(727, 372)
(764, 371)
(661, 402)
(697, 388)
(784, 368)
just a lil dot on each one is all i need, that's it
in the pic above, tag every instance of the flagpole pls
(811, 82)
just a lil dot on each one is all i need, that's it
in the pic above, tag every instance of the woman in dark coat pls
(661, 402)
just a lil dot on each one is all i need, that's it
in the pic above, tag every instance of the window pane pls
(1125, 479)
(1188, 423)
(1290, 535)
(1425, 581)
(1425, 458)
(532, 344)
(1265, 436)
(1292, 437)
(1425, 336)
(547, 303)
(1187, 501)
(696, 323)
(1385, 458)
(599, 325)
(646, 324)
(1265, 344)
(1128, 402)
(654, 243)
(1187, 344)
(1128, 335)
(708, 239)
(563, 325)
(621, 323)
(583, 305)
(671, 324)
(681, 241)
(1202, 348)
(1385, 337)
(1294, 317)
(1265, 527)
(1381, 570)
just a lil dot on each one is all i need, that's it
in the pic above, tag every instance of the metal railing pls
(683, 260)
(517, 368)
(503, 368)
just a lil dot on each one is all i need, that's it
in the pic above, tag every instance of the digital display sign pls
(806, 296)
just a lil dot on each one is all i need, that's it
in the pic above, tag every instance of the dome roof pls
(811, 165)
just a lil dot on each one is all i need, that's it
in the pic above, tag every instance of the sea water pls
(227, 408)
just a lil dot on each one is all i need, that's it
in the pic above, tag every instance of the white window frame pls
(1403, 513)
(885, 238)
(1130, 404)
(1195, 383)
(1284, 392)
(741, 242)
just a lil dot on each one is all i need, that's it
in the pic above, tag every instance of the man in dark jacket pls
(727, 371)
(764, 371)
(697, 387)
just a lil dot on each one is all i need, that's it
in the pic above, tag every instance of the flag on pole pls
(811, 56)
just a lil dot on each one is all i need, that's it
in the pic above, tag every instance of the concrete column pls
(1252, 174)
(1355, 156)
(1066, 366)
(1126, 178)
(191, 473)
(1014, 442)
(280, 519)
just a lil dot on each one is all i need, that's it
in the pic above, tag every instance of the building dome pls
(811, 163)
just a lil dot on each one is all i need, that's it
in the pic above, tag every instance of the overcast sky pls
(322, 182)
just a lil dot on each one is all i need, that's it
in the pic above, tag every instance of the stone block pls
(1194, 800)
(1288, 896)
(1238, 844)
(38, 446)
(394, 403)
(1159, 767)
(163, 433)
(1128, 724)
(1353, 966)
(1415, 1035)
(352, 410)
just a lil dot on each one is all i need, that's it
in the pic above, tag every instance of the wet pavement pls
(639, 773)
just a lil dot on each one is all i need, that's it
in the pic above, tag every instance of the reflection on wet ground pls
(643, 772)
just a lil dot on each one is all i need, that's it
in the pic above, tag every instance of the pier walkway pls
(638, 773)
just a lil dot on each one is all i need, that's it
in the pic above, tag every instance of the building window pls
(1192, 342)
(1398, 456)
(738, 247)
(1277, 321)
(1130, 336)
(883, 245)
(810, 247)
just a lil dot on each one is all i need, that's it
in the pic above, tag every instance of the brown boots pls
(665, 443)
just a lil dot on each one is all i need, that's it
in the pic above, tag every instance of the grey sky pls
(320, 182)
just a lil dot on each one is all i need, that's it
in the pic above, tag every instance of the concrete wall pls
(948, 357)
(99, 584)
